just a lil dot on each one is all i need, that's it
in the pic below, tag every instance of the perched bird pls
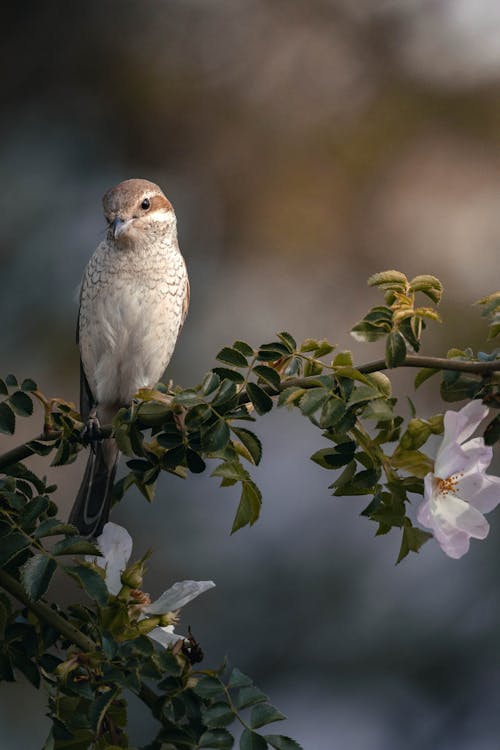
(133, 301)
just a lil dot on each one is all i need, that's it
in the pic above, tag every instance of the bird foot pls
(92, 433)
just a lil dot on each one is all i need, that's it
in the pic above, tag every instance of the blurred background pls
(305, 145)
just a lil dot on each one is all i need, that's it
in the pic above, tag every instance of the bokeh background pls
(305, 144)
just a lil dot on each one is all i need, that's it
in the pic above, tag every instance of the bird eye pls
(146, 203)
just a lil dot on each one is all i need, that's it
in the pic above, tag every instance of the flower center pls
(450, 485)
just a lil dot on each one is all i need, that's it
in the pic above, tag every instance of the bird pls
(134, 299)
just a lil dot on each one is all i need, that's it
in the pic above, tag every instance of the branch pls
(65, 628)
(25, 451)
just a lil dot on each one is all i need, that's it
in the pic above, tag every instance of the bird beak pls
(119, 225)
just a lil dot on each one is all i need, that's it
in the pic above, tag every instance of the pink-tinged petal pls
(424, 515)
(461, 424)
(457, 460)
(455, 545)
(454, 514)
(481, 490)
(477, 451)
(165, 636)
(178, 596)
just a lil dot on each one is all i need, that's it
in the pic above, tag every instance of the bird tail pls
(93, 502)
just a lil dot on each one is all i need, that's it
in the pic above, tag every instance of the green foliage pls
(87, 654)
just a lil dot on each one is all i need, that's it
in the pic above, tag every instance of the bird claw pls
(92, 433)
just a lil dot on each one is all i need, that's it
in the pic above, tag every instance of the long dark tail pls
(93, 502)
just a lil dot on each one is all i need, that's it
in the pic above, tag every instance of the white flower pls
(115, 545)
(459, 491)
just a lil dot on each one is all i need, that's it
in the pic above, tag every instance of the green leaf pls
(249, 506)
(393, 280)
(11, 545)
(244, 348)
(343, 359)
(216, 436)
(429, 285)
(218, 715)
(36, 574)
(4, 391)
(259, 398)
(312, 400)
(395, 349)
(226, 373)
(252, 741)
(264, 713)
(11, 381)
(209, 687)
(238, 679)
(288, 340)
(412, 540)
(412, 461)
(248, 696)
(230, 470)
(75, 547)
(335, 457)
(218, 739)
(21, 403)
(424, 374)
(280, 742)
(232, 357)
(251, 443)
(91, 582)
(7, 419)
(210, 383)
(195, 463)
(269, 375)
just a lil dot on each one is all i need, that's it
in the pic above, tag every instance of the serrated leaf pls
(252, 741)
(249, 696)
(389, 280)
(226, 373)
(280, 742)
(264, 713)
(424, 374)
(209, 687)
(91, 582)
(268, 375)
(312, 400)
(75, 547)
(36, 574)
(230, 470)
(216, 436)
(10, 546)
(232, 356)
(7, 419)
(288, 340)
(412, 541)
(244, 348)
(210, 383)
(251, 443)
(21, 403)
(259, 398)
(395, 349)
(429, 285)
(218, 715)
(412, 461)
(336, 456)
(218, 739)
(342, 359)
(238, 679)
(249, 506)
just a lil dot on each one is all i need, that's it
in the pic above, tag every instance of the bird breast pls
(131, 311)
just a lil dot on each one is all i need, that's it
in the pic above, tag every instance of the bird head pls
(135, 209)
